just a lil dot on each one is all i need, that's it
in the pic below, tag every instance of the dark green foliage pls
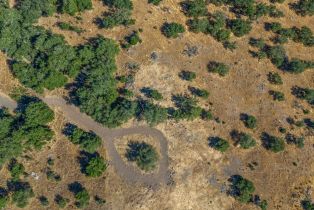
(241, 189)
(4, 198)
(187, 75)
(119, 4)
(88, 141)
(21, 193)
(239, 27)
(220, 68)
(16, 169)
(248, 120)
(152, 93)
(195, 8)
(43, 201)
(259, 43)
(277, 55)
(115, 17)
(132, 39)
(274, 78)
(309, 123)
(277, 95)
(304, 7)
(230, 45)
(304, 94)
(273, 143)
(292, 139)
(186, 108)
(199, 25)
(218, 143)
(26, 130)
(206, 115)
(69, 27)
(263, 205)
(92, 165)
(61, 201)
(199, 92)
(73, 6)
(172, 30)
(151, 113)
(302, 35)
(143, 154)
(245, 140)
(297, 66)
(307, 205)
(154, 2)
(81, 195)
(119, 14)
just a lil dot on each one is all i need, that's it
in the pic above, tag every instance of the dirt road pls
(129, 173)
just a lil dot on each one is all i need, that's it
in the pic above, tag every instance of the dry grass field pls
(199, 172)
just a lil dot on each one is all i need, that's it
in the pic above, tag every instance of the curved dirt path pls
(126, 171)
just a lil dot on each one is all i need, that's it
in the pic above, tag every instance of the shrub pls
(4, 198)
(304, 7)
(259, 43)
(277, 96)
(80, 193)
(220, 68)
(195, 8)
(154, 2)
(43, 201)
(199, 92)
(132, 39)
(307, 205)
(52, 176)
(73, 6)
(61, 201)
(152, 93)
(292, 139)
(297, 66)
(21, 193)
(274, 78)
(241, 188)
(230, 45)
(99, 201)
(239, 27)
(88, 141)
(277, 55)
(206, 115)
(304, 94)
(218, 144)
(95, 166)
(172, 30)
(69, 27)
(187, 75)
(249, 121)
(143, 154)
(116, 17)
(273, 143)
(16, 169)
(245, 141)
(119, 4)
(199, 25)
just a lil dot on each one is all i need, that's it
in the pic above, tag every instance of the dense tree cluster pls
(119, 14)
(27, 129)
(302, 35)
(304, 7)
(73, 6)
(143, 154)
(87, 141)
(277, 55)
(304, 94)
